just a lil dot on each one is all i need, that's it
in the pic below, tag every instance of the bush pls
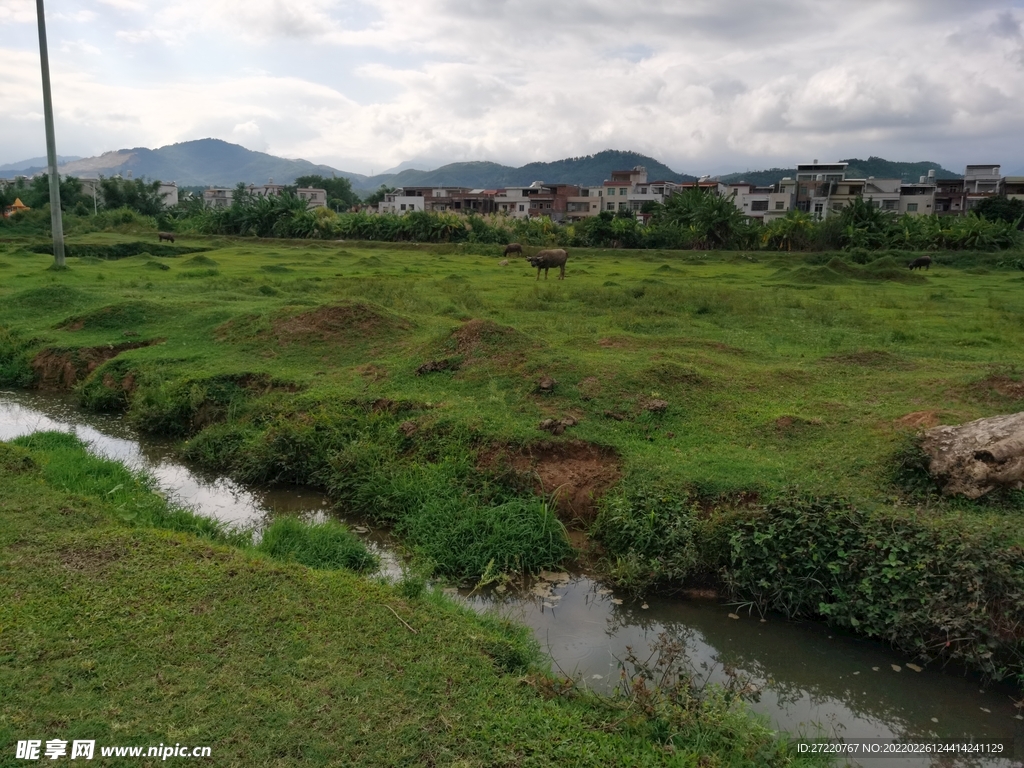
(15, 368)
(326, 546)
(652, 534)
(932, 587)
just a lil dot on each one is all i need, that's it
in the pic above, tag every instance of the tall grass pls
(327, 545)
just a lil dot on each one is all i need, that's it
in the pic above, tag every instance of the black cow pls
(554, 257)
(924, 261)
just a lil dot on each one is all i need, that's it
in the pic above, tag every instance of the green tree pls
(340, 196)
(141, 196)
(1000, 209)
(713, 220)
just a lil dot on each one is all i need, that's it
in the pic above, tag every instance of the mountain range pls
(213, 162)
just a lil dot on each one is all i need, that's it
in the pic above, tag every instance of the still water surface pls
(811, 677)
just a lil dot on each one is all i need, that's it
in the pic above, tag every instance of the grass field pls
(775, 373)
(407, 380)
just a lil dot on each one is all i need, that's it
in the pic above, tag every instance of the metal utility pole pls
(56, 224)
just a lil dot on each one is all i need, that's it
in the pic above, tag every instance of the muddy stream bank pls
(811, 677)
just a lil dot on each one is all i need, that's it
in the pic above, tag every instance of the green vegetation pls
(340, 196)
(714, 401)
(118, 631)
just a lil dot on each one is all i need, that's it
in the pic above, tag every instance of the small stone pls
(546, 424)
(913, 667)
(655, 405)
(895, 667)
(935, 719)
(645, 606)
(557, 429)
(733, 616)
(546, 384)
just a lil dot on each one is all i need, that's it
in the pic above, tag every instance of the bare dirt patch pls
(1005, 386)
(589, 388)
(90, 559)
(791, 426)
(576, 473)
(918, 420)
(63, 368)
(869, 358)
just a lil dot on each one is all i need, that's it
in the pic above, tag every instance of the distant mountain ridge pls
(34, 164)
(214, 162)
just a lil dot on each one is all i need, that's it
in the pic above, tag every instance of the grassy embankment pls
(132, 624)
(708, 389)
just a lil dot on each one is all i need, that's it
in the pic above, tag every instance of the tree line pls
(692, 219)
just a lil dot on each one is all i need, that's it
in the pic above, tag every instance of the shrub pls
(326, 546)
(933, 587)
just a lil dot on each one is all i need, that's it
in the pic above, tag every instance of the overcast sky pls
(706, 87)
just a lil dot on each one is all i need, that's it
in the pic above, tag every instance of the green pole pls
(56, 224)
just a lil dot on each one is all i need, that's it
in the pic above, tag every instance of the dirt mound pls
(918, 420)
(115, 317)
(63, 368)
(478, 335)
(670, 374)
(794, 426)
(575, 473)
(338, 324)
(1005, 386)
(48, 297)
(200, 261)
(869, 358)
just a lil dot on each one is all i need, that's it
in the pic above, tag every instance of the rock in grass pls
(974, 458)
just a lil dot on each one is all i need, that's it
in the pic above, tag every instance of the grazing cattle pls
(161, 236)
(551, 258)
(513, 248)
(924, 261)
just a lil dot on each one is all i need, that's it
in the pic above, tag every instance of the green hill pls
(585, 170)
(878, 167)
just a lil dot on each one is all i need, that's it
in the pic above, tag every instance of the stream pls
(812, 678)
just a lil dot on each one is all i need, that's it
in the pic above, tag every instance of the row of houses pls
(819, 189)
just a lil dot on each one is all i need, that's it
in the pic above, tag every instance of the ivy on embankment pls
(937, 586)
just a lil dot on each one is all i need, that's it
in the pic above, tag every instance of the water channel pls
(812, 678)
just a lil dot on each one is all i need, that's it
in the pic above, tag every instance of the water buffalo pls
(554, 257)
(924, 261)
(513, 248)
(161, 236)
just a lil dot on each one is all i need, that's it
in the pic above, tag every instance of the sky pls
(704, 86)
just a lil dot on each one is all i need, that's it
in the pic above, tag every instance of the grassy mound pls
(128, 315)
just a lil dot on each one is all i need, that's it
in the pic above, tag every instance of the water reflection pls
(813, 679)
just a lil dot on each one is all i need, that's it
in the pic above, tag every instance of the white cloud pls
(702, 85)
(17, 11)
